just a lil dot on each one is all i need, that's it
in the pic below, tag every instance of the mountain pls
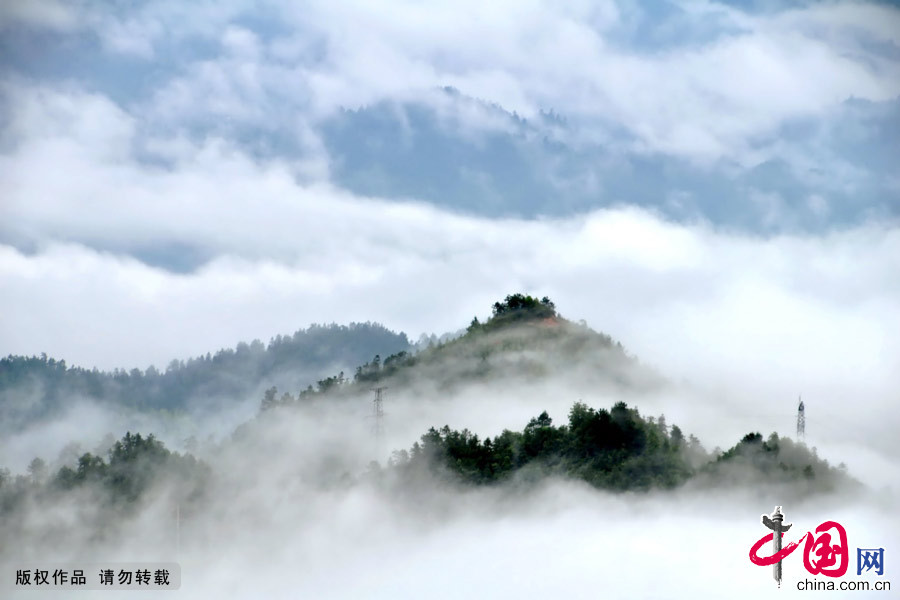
(316, 437)
(619, 449)
(525, 339)
(35, 387)
(545, 166)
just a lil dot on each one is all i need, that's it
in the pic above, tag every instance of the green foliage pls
(367, 374)
(474, 326)
(517, 308)
(270, 399)
(615, 449)
(135, 464)
(229, 373)
(525, 304)
(775, 460)
(609, 449)
(525, 337)
(106, 493)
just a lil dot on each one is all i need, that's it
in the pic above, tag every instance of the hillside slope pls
(36, 387)
(525, 340)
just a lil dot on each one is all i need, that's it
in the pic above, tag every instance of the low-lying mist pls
(295, 508)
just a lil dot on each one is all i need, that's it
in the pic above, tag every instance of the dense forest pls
(613, 448)
(109, 490)
(616, 449)
(32, 387)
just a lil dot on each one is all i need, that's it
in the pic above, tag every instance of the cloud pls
(757, 319)
(290, 496)
(260, 251)
(586, 61)
(49, 14)
(646, 109)
(682, 101)
(194, 205)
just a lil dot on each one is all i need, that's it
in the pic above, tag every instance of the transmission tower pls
(379, 412)
(801, 421)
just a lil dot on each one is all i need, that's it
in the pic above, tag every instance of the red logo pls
(825, 553)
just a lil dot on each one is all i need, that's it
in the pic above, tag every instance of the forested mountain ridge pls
(525, 339)
(33, 387)
(620, 449)
(615, 448)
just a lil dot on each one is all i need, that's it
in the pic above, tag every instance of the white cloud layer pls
(757, 319)
(92, 187)
(708, 83)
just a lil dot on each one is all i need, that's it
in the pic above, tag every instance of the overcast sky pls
(714, 184)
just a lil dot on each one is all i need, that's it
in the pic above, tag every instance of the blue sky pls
(713, 184)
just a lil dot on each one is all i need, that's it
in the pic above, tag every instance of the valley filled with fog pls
(447, 299)
(309, 497)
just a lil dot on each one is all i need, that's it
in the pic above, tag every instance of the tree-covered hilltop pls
(525, 338)
(518, 307)
(616, 449)
(612, 449)
(32, 387)
(135, 462)
(108, 491)
(777, 460)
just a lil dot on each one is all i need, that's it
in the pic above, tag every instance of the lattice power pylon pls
(379, 412)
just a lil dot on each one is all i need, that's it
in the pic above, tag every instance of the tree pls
(37, 469)
(269, 399)
(540, 438)
(677, 437)
(90, 468)
(523, 306)
(663, 427)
